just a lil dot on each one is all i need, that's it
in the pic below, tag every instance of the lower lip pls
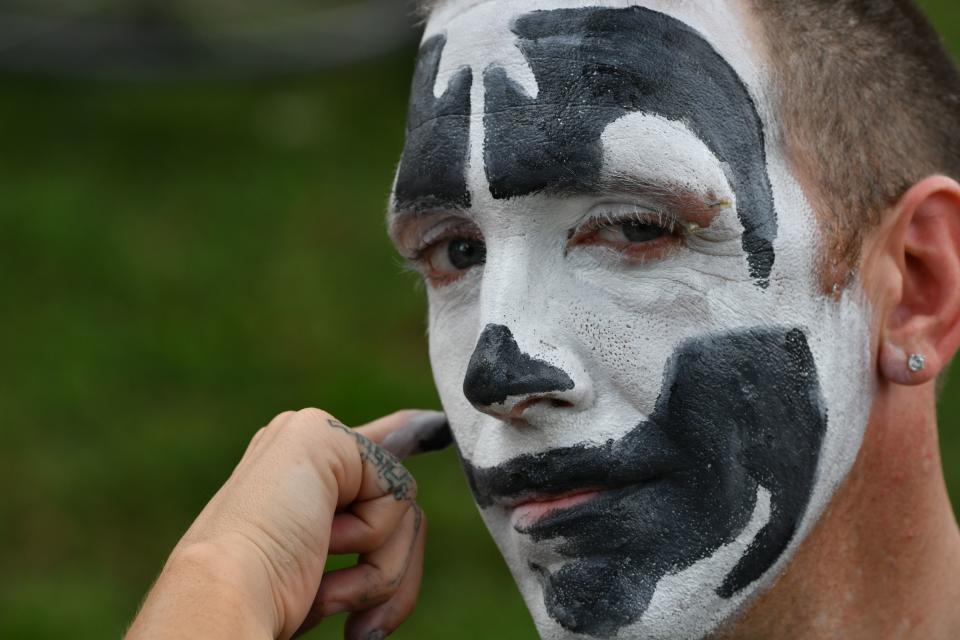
(529, 513)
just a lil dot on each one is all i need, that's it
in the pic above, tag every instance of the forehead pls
(480, 30)
(537, 85)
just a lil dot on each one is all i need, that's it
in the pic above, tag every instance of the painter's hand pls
(251, 565)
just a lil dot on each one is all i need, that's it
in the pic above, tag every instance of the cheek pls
(452, 336)
(628, 338)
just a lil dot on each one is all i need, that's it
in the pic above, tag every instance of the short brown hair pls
(869, 103)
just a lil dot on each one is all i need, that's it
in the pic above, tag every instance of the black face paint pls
(424, 432)
(738, 410)
(433, 168)
(498, 370)
(594, 65)
(436, 441)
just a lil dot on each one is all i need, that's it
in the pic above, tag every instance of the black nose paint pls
(737, 410)
(594, 65)
(433, 168)
(498, 370)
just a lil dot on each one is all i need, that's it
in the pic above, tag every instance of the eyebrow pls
(408, 209)
(691, 206)
(698, 207)
(401, 216)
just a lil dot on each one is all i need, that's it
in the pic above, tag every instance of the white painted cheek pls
(452, 336)
(839, 338)
(838, 335)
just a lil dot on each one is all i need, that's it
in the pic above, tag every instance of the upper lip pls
(512, 502)
(556, 473)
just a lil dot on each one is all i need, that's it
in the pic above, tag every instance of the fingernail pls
(375, 634)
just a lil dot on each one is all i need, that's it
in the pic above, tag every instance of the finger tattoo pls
(392, 475)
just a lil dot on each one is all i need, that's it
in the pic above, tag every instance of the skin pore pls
(652, 399)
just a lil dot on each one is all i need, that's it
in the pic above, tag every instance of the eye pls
(637, 235)
(446, 260)
(636, 231)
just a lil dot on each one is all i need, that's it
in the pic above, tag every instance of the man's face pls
(652, 401)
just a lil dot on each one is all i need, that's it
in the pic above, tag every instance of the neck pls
(884, 559)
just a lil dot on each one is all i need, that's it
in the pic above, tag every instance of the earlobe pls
(921, 319)
(916, 367)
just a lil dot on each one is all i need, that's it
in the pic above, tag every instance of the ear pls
(919, 264)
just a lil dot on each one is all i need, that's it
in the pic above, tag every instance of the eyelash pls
(663, 219)
(635, 252)
(632, 251)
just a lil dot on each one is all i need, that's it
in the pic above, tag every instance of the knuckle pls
(278, 421)
(411, 494)
(258, 436)
(306, 424)
(312, 414)
(381, 586)
(257, 440)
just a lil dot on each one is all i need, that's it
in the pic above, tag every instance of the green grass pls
(180, 263)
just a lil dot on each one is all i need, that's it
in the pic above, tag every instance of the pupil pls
(464, 254)
(641, 232)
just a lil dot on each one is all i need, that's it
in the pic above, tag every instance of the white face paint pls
(630, 387)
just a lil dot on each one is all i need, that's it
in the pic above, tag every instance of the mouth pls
(528, 511)
(569, 481)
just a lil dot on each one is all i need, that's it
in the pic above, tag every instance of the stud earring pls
(916, 362)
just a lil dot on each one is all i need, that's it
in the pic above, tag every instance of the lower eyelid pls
(460, 279)
(645, 252)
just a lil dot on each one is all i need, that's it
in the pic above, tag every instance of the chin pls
(603, 594)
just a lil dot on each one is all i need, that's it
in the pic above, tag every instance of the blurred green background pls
(179, 262)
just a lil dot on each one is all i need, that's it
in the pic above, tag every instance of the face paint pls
(595, 65)
(433, 170)
(652, 412)
(498, 370)
(671, 473)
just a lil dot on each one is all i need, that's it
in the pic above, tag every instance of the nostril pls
(498, 370)
(516, 412)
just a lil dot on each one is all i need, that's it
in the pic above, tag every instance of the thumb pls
(408, 433)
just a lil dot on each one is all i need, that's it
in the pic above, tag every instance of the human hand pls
(251, 565)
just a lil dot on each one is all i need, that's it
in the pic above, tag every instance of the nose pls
(503, 381)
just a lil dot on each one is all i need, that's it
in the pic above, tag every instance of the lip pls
(529, 510)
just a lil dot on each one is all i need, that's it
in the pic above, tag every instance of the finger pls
(367, 525)
(380, 428)
(408, 433)
(377, 576)
(384, 619)
(261, 433)
(382, 472)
